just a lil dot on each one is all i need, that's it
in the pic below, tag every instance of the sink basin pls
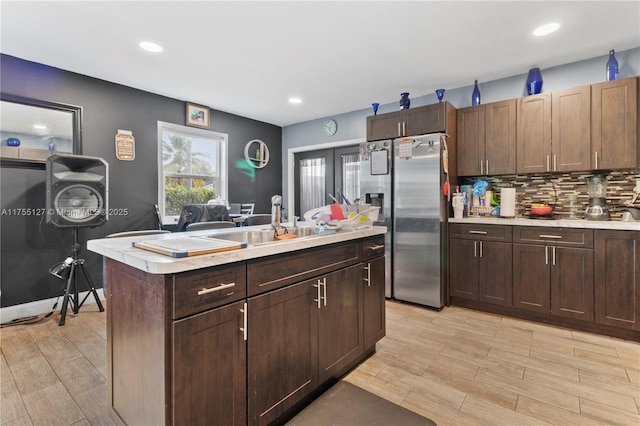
(267, 235)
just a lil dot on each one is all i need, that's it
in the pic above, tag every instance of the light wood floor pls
(457, 367)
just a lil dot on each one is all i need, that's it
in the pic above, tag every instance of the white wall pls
(352, 125)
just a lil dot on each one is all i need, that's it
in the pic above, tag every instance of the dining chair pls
(257, 219)
(215, 224)
(246, 208)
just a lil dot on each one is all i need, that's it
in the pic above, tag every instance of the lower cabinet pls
(209, 368)
(299, 337)
(373, 301)
(553, 271)
(617, 279)
(480, 266)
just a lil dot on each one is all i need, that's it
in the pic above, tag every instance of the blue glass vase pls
(440, 94)
(612, 66)
(534, 81)
(375, 106)
(405, 102)
(475, 96)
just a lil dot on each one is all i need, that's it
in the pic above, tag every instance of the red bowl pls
(542, 211)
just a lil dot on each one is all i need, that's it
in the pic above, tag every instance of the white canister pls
(508, 202)
(457, 202)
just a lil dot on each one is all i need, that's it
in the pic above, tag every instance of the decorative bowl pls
(541, 210)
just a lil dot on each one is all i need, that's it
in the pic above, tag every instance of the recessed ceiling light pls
(150, 46)
(295, 100)
(546, 29)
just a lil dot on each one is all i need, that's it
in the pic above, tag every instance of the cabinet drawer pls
(270, 273)
(373, 247)
(555, 236)
(480, 232)
(198, 291)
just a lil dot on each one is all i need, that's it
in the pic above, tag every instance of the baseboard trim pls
(40, 307)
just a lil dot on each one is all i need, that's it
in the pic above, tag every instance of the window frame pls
(222, 188)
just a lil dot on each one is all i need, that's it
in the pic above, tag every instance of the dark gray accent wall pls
(29, 246)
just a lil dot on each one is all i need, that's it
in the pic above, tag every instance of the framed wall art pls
(197, 116)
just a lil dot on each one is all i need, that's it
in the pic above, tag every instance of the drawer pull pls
(214, 289)
(478, 232)
(376, 247)
(557, 237)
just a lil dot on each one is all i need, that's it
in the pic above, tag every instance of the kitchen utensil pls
(458, 205)
(508, 202)
(597, 190)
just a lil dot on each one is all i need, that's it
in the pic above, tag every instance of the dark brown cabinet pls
(487, 139)
(209, 368)
(571, 129)
(373, 290)
(409, 122)
(617, 279)
(282, 345)
(553, 271)
(614, 124)
(533, 140)
(480, 265)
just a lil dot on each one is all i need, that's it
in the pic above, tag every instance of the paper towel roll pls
(508, 202)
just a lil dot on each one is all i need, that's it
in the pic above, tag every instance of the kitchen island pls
(239, 337)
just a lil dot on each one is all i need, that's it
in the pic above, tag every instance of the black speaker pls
(77, 191)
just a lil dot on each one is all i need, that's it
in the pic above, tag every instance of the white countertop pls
(555, 223)
(120, 249)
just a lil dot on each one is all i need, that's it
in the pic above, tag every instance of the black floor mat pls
(347, 405)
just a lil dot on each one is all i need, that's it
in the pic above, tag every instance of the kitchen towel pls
(508, 202)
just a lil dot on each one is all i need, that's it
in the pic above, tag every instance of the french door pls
(328, 171)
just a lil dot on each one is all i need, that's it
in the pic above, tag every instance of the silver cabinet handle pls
(487, 171)
(478, 232)
(379, 246)
(214, 289)
(557, 237)
(553, 255)
(555, 163)
(244, 329)
(481, 167)
(546, 255)
(399, 131)
(404, 128)
(596, 155)
(324, 286)
(318, 298)
(548, 162)
(475, 249)
(481, 247)
(368, 279)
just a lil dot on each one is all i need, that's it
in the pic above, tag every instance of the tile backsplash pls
(554, 190)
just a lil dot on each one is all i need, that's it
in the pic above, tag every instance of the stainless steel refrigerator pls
(413, 209)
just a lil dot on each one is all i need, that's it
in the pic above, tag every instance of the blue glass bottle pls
(612, 66)
(534, 81)
(475, 96)
(405, 102)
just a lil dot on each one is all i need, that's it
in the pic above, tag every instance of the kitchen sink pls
(267, 235)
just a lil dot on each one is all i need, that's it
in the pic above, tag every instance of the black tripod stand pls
(71, 295)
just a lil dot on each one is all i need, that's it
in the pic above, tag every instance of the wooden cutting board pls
(188, 246)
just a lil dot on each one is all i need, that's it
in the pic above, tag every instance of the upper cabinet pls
(533, 134)
(614, 124)
(409, 122)
(487, 139)
(571, 129)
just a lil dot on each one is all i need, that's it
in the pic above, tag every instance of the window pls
(193, 168)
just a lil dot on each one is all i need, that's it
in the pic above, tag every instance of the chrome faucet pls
(276, 202)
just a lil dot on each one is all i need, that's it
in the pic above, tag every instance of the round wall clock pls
(330, 127)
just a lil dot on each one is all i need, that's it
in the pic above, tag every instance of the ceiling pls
(248, 58)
